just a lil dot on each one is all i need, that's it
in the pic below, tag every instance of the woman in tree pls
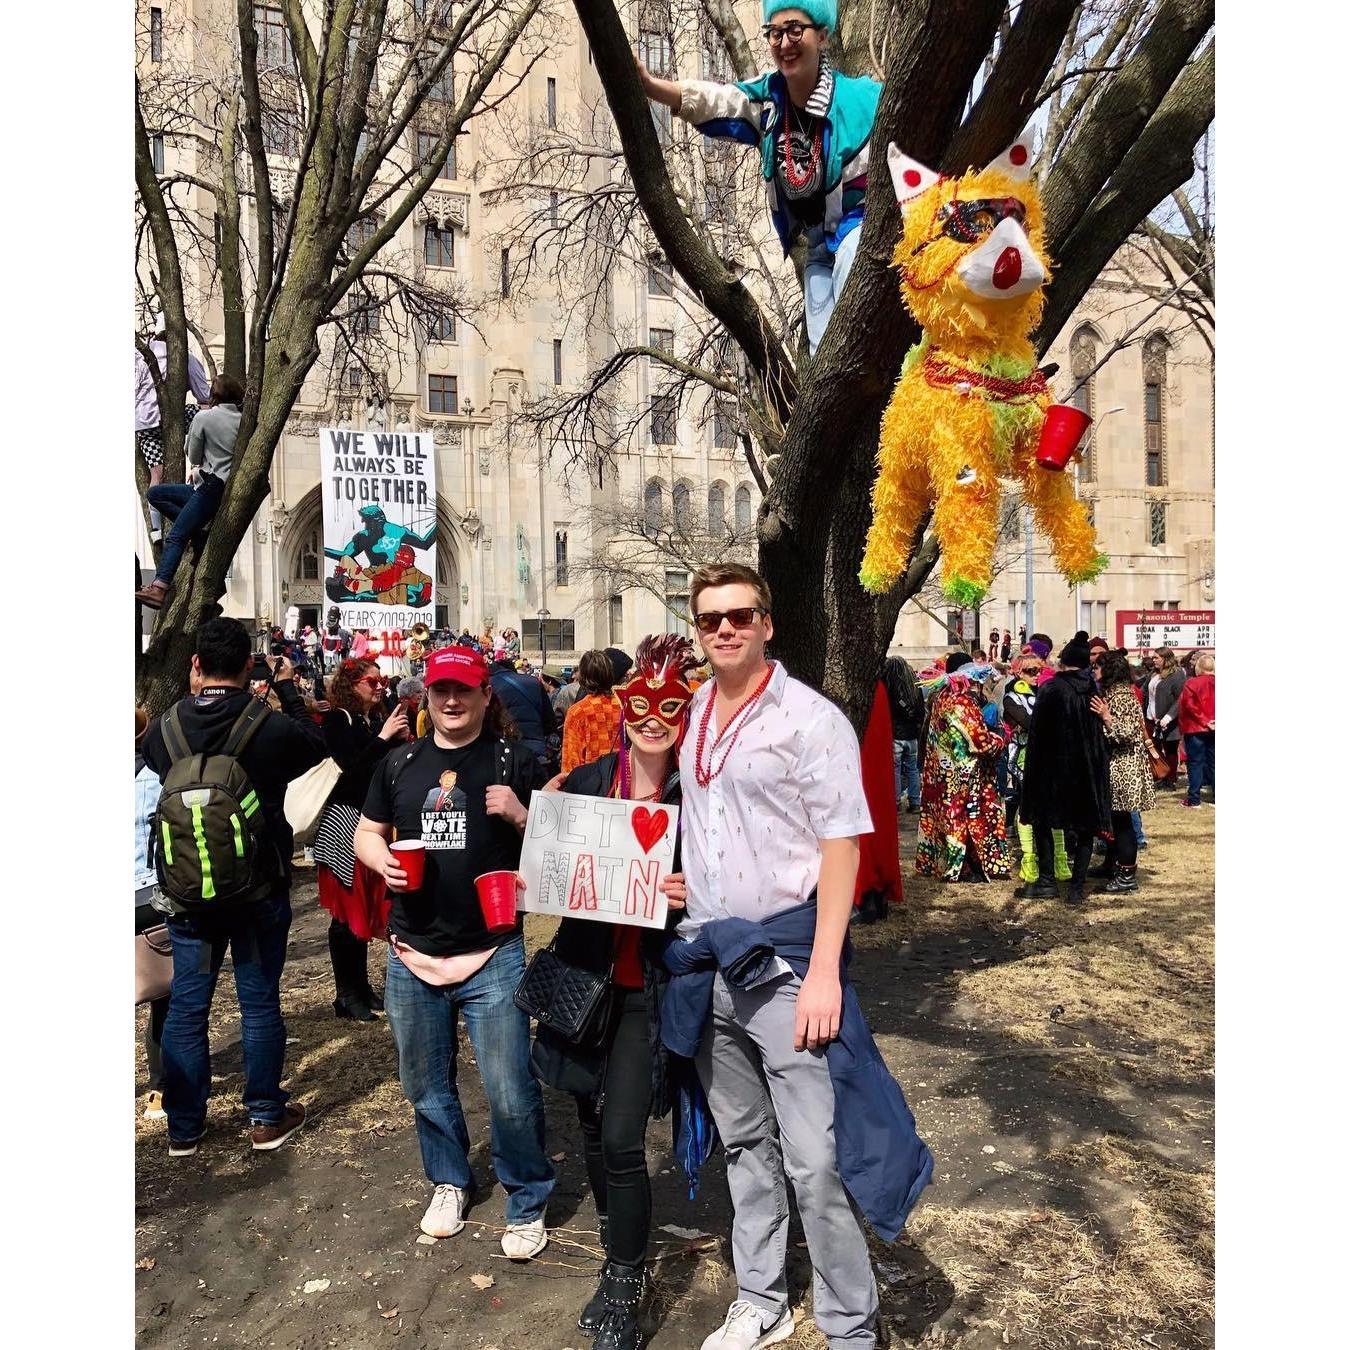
(812, 126)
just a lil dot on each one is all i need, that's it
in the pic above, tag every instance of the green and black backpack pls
(211, 848)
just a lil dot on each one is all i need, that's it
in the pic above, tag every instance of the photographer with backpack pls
(223, 851)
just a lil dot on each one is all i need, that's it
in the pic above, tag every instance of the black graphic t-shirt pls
(803, 189)
(440, 796)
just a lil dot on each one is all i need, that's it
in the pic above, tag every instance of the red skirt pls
(364, 908)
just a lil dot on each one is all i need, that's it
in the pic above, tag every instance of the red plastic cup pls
(497, 900)
(1061, 431)
(411, 856)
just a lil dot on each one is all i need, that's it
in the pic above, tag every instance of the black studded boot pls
(1125, 881)
(623, 1288)
(595, 1305)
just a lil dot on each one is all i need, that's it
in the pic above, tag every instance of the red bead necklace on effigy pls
(705, 775)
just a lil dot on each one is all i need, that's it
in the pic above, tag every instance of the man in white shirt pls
(772, 809)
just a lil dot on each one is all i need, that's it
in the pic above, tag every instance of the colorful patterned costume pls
(960, 807)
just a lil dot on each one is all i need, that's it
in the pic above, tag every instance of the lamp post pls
(1030, 541)
(543, 638)
(1077, 464)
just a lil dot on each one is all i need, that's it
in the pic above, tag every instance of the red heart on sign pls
(649, 827)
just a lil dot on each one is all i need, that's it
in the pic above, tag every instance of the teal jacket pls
(752, 111)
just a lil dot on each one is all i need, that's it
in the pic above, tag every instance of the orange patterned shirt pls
(590, 729)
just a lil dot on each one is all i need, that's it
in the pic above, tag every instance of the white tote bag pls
(306, 797)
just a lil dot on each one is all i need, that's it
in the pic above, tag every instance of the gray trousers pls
(774, 1106)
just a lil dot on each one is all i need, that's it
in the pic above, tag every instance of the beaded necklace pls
(623, 783)
(801, 178)
(704, 775)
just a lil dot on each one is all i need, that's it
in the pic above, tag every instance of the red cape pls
(879, 866)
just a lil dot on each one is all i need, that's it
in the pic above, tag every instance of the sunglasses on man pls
(711, 620)
(776, 34)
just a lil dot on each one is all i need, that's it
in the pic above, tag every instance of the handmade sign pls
(379, 526)
(597, 858)
(970, 405)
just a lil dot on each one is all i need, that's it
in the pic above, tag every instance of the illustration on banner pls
(379, 525)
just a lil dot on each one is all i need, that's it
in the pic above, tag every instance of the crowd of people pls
(739, 1011)
(1064, 753)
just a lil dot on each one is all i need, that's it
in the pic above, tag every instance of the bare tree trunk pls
(814, 519)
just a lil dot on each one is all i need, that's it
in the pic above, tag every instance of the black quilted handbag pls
(569, 1001)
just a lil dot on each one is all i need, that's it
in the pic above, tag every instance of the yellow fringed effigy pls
(970, 401)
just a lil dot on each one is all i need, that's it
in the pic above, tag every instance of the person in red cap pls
(463, 791)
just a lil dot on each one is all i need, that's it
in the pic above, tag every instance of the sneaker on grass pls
(524, 1240)
(183, 1148)
(445, 1214)
(154, 1107)
(749, 1328)
(269, 1136)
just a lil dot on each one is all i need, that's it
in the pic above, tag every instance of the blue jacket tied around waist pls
(882, 1161)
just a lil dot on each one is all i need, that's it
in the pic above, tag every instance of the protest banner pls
(597, 858)
(379, 526)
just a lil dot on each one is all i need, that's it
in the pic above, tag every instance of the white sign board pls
(597, 858)
(379, 527)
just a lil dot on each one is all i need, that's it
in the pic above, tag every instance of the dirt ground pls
(1059, 1063)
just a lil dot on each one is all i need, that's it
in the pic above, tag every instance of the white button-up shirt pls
(750, 840)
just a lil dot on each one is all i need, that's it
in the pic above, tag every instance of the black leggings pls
(615, 1138)
(348, 955)
(1125, 848)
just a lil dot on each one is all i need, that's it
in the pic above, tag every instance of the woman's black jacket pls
(355, 744)
(588, 944)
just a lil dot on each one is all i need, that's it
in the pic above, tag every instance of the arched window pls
(1082, 359)
(1155, 391)
(653, 505)
(742, 509)
(684, 511)
(560, 557)
(717, 509)
(309, 556)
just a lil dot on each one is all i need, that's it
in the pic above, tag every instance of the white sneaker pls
(445, 1214)
(744, 1328)
(524, 1240)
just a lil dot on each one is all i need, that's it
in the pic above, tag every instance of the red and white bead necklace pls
(704, 774)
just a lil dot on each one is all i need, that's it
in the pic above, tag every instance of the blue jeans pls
(907, 770)
(1199, 764)
(823, 277)
(190, 509)
(424, 1020)
(1138, 822)
(256, 937)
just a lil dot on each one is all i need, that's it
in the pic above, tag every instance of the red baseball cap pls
(463, 665)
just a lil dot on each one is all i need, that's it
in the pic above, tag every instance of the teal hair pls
(823, 12)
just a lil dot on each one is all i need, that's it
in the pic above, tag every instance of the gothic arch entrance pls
(300, 563)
